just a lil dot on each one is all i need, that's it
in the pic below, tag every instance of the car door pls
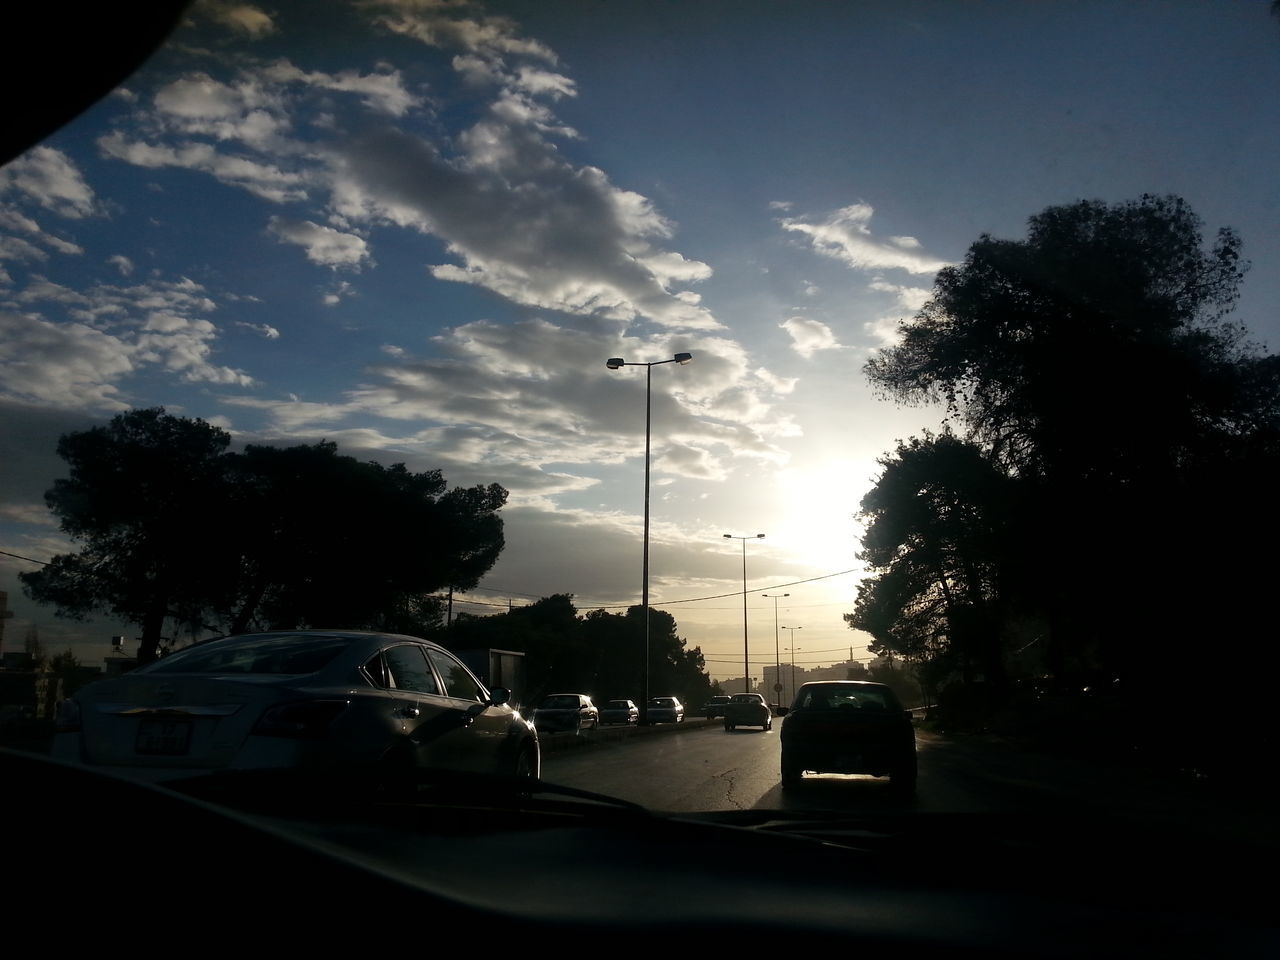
(428, 718)
(478, 742)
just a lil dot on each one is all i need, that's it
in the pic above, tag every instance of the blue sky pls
(420, 228)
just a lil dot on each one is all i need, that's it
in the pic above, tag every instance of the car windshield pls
(276, 654)
(614, 347)
(561, 703)
(837, 697)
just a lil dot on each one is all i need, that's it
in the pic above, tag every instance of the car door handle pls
(411, 712)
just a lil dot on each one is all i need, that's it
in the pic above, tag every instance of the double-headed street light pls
(613, 363)
(746, 663)
(792, 650)
(777, 657)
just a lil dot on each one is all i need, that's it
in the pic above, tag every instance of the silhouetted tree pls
(137, 505)
(170, 524)
(1095, 363)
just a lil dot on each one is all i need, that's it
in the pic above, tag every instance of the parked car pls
(619, 711)
(748, 710)
(319, 700)
(665, 710)
(714, 707)
(566, 711)
(848, 726)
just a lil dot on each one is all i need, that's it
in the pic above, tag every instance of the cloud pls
(337, 292)
(383, 91)
(264, 329)
(110, 332)
(240, 18)
(50, 178)
(810, 336)
(121, 263)
(524, 222)
(323, 245)
(265, 180)
(431, 23)
(845, 235)
(906, 300)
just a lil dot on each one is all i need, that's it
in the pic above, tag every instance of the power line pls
(721, 596)
(43, 563)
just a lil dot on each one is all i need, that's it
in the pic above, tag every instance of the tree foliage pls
(169, 524)
(1121, 436)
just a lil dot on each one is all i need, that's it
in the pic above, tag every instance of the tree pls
(136, 503)
(1096, 364)
(937, 534)
(170, 524)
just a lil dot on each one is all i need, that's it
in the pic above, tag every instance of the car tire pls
(903, 779)
(792, 774)
(727, 726)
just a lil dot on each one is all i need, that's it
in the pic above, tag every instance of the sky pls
(418, 228)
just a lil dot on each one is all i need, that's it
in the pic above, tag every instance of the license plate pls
(168, 738)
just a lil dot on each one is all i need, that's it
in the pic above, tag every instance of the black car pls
(848, 726)
(715, 707)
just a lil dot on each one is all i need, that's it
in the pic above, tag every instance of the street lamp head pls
(759, 536)
(728, 536)
(683, 358)
(613, 363)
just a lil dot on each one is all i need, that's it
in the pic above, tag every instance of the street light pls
(613, 363)
(792, 650)
(746, 665)
(777, 657)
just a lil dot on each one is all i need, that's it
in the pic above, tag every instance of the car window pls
(376, 670)
(408, 669)
(274, 654)
(560, 702)
(458, 682)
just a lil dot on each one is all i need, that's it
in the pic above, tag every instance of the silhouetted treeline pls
(171, 526)
(598, 653)
(1104, 511)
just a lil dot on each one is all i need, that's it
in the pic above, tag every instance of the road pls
(703, 767)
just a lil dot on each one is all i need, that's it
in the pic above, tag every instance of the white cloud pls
(121, 263)
(263, 329)
(67, 364)
(810, 336)
(779, 385)
(909, 299)
(51, 179)
(492, 37)
(241, 18)
(323, 245)
(111, 332)
(845, 235)
(384, 91)
(337, 293)
(261, 179)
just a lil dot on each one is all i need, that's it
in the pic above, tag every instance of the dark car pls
(619, 711)
(566, 711)
(715, 707)
(848, 726)
(747, 710)
(665, 710)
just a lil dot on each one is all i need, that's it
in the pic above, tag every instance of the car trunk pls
(179, 720)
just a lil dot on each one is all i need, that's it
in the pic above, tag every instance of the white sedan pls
(319, 700)
(665, 710)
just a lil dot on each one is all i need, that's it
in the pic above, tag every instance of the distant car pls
(848, 726)
(665, 710)
(348, 701)
(619, 711)
(714, 707)
(566, 711)
(748, 710)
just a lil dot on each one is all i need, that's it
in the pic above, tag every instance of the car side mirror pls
(498, 696)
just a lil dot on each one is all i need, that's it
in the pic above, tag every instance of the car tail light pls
(67, 719)
(301, 720)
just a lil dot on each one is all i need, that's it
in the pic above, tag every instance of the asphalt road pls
(703, 768)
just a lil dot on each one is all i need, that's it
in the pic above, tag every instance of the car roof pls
(842, 683)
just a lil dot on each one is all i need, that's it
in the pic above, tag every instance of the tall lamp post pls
(746, 663)
(792, 650)
(777, 657)
(613, 363)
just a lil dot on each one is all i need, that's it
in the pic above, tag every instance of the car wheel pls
(903, 779)
(727, 726)
(792, 774)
